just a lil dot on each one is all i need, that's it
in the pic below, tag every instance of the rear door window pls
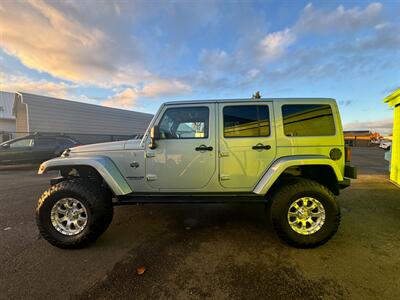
(65, 142)
(308, 120)
(45, 142)
(246, 121)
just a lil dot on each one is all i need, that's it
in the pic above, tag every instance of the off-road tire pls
(96, 201)
(294, 189)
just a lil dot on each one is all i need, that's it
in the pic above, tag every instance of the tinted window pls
(45, 142)
(246, 121)
(65, 142)
(308, 120)
(25, 143)
(184, 123)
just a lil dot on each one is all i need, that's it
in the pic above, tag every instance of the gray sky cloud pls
(68, 41)
(321, 21)
(136, 48)
(22, 83)
(384, 126)
(272, 55)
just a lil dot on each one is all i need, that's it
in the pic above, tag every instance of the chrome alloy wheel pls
(306, 215)
(69, 216)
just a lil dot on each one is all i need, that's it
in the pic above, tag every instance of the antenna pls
(257, 95)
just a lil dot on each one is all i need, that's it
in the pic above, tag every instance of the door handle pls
(204, 148)
(260, 146)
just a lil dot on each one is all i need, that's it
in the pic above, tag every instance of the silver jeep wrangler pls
(286, 153)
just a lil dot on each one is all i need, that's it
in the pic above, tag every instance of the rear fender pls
(102, 164)
(281, 164)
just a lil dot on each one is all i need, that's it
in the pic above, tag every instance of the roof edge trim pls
(393, 99)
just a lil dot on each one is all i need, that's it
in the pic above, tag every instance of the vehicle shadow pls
(193, 222)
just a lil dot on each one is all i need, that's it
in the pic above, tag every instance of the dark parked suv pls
(34, 148)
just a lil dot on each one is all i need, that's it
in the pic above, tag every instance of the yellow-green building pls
(393, 100)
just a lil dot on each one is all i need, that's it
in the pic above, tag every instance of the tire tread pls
(101, 207)
(285, 191)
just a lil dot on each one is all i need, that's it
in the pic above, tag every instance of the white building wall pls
(46, 114)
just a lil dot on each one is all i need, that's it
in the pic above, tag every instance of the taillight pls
(347, 154)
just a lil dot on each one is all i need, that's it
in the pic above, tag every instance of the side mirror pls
(5, 146)
(154, 136)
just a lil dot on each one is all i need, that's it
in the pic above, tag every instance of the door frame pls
(273, 136)
(212, 138)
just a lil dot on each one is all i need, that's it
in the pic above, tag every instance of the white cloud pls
(65, 40)
(352, 19)
(382, 25)
(312, 20)
(218, 65)
(215, 57)
(253, 73)
(124, 99)
(45, 39)
(383, 126)
(129, 97)
(165, 87)
(91, 37)
(13, 83)
(274, 44)
(106, 44)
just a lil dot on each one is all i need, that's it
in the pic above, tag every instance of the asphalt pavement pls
(205, 251)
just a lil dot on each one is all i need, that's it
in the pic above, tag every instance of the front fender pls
(281, 164)
(102, 164)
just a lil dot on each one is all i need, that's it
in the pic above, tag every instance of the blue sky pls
(138, 54)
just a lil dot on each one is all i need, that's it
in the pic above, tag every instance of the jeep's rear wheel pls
(73, 213)
(304, 213)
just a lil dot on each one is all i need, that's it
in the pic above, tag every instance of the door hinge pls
(225, 177)
(223, 154)
(150, 154)
(151, 177)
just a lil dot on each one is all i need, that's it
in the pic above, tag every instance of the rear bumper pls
(350, 172)
(344, 183)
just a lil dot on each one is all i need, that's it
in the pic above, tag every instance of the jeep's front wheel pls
(304, 213)
(73, 213)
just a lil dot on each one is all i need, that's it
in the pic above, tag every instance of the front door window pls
(24, 143)
(184, 123)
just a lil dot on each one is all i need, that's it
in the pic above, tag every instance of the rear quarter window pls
(308, 120)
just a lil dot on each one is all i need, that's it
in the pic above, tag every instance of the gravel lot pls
(209, 251)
